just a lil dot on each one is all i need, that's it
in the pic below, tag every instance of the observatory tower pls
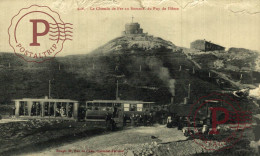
(132, 28)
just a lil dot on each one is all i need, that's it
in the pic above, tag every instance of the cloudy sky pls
(226, 22)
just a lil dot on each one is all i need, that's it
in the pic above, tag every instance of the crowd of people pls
(134, 119)
(139, 119)
(177, 121)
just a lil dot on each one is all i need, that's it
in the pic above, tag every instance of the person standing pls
(180, 123)
(145, 120)
(108, 121)
(137, 119)
(132, 120)
(151, 118)
(124, 120)
(169, 122)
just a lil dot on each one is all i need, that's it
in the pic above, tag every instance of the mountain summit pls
(133, 38)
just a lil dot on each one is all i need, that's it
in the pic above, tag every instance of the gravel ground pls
(121, 142)
(156, 140)
(57, 138)
(24, 136)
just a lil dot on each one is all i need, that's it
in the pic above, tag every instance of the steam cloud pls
(255, 92)
(162, 72)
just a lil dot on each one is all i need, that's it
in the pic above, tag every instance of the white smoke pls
(172, 86)
(163, 73)
(255, 92)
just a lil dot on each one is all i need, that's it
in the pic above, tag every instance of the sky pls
(228, 23)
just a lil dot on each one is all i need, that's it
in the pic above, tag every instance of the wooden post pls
(49, 89)
(42, 104)
(116, 89)
(29, 108)
(17, 108)
(36, 108)
(49, 108)
(86, 113)
(67, 109)
(189, 91)
(75, 110)
(24, 108)
(55, 107)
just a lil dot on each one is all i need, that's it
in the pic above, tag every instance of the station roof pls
(119, 101)
(44, 100)
(205, 41)
(214, 101)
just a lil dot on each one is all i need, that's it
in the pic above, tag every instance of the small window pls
(146, 105)
(58, 109)
(96, 106)
(46, 108)
(70, 109)
(126, 107)
(38, 108)
(63, 109)
(117, 104)
(51, 108)
(109, 104)
(102, 104)
(133, 107)
(89, 104)
(139, 107)
(23, 108)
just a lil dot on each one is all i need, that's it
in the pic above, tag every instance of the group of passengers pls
(110, 123)
(63, 112)
(140, 119)
(179, 121)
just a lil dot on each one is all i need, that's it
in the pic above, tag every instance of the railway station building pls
(205, 46)
(46, 108)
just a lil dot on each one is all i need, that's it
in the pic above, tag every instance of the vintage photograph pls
(130, 77)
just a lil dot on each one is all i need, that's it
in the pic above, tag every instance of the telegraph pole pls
(189, 91)
(49, 89)
(116, 89)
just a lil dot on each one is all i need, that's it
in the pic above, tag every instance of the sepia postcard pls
(129, 77)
